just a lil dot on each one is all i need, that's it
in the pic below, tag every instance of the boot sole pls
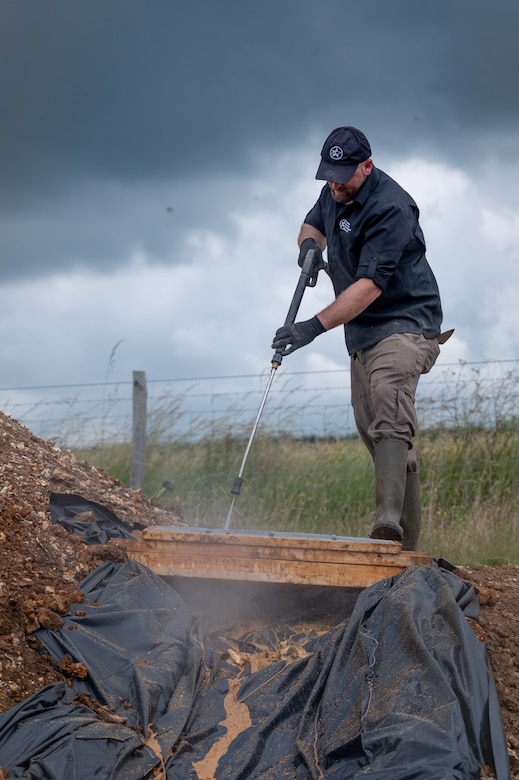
(387, 532)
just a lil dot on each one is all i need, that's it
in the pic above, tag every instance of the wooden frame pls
(306, 559)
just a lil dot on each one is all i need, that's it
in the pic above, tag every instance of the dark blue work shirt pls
(378, 237)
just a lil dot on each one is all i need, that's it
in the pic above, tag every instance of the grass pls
(468, 475)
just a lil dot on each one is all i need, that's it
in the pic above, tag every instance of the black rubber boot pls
(411, 520)
(390, 459)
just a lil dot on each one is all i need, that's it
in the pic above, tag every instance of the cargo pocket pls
(405, 420)
(431, 352)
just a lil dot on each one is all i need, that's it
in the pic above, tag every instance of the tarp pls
(401, 690)
(95, 523)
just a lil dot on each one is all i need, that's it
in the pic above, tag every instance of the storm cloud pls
(154, 152)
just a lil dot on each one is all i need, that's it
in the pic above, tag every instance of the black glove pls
(305, 247)
(298, 335)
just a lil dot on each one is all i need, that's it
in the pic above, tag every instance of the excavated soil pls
(41, 566)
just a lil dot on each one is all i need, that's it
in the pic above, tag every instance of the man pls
(387, 299)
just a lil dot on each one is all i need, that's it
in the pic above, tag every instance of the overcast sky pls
(158, 157)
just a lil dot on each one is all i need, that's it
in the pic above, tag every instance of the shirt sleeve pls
(388, 236)
(315, 217)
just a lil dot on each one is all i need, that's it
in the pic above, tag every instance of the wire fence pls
(300, 404)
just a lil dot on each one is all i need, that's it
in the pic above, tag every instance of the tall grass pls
(469, 485)
(468, 449)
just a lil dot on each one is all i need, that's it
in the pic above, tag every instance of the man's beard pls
(343, 197)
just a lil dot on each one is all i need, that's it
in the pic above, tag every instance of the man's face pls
(344, 193)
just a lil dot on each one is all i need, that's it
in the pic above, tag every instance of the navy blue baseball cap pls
(343, 150)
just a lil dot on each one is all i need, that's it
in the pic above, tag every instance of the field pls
(469, 484)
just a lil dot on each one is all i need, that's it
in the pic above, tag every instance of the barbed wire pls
(300, 402)
(221, 377)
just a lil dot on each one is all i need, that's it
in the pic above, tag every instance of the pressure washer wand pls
(307, 278)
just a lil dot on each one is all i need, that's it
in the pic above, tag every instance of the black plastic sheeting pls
(103, 524)
(401, 690)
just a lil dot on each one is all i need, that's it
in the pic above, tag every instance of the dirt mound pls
(41, 566)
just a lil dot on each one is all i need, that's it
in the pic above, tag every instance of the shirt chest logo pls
(345, 225)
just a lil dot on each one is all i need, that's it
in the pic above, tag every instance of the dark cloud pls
(124, 88)
(486, 65)
(152, 92)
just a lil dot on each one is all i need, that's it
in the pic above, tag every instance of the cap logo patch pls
(336, 153)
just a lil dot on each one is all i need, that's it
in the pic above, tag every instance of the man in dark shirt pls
(388, 301)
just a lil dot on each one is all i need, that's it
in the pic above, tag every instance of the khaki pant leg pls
(384, 379)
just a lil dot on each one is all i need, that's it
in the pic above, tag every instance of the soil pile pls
(41, 566)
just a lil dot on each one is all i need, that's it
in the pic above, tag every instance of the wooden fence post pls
(140, 395)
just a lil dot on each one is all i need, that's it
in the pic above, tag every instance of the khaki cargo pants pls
(384, 379)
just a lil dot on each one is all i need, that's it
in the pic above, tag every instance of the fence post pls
(140, 395)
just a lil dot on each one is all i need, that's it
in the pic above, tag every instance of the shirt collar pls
(367, 188)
